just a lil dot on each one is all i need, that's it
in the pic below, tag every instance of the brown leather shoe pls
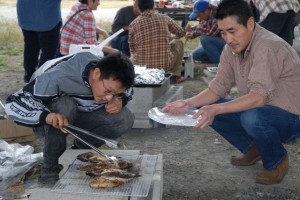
(249, 158)
(275, 175)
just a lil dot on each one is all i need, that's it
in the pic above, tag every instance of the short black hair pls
(118, 67)
(145, 5)
(234, 8)
(85, 1)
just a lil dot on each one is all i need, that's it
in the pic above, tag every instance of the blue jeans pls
(99, 122)
(209, 50)
(121, 43)
(266, 127)
(46, 43)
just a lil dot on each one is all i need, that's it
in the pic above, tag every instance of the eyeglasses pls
(109, 92)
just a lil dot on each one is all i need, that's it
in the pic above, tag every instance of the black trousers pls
(282, 24)
(38, 48)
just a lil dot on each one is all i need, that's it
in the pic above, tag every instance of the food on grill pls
(121, 164)
(95, 166)
(117, 173)
(108, 182)
(91, 157)
(106, 174)
(94, 173)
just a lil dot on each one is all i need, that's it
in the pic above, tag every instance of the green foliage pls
(10, 35)
(2, 61)
(12, 52)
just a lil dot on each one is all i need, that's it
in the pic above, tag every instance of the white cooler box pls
(94, 49)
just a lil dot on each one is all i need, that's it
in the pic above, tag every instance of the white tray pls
(170, 119)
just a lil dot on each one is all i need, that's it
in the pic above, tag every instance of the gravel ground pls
(195, 162)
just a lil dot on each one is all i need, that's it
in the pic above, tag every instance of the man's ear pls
(251, 23)
(96, 73)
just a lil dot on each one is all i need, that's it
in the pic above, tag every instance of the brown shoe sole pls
(240, 162)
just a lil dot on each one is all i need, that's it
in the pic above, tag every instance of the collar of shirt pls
(148, 12)
(245, 53)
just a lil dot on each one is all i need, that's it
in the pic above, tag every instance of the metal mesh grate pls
(76, 181)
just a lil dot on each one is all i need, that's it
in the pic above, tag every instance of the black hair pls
(85, 1)
(118, 67)
(234, 8)
(145, 5)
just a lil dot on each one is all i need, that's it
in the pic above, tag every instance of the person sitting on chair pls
(122, 20)
(153, 40)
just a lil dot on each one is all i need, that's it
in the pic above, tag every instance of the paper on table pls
(171, 119)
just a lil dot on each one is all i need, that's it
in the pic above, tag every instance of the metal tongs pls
(108, 157)
(111, 143)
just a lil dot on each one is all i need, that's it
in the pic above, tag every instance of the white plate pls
(171, 119)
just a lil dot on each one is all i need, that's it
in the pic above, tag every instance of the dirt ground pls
(195, 162)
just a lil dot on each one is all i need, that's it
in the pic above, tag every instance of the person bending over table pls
(80, 89)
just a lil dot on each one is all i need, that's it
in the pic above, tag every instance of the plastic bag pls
(15, 161)
(169, 119)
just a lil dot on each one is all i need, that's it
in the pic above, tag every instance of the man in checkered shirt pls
(278, 16)
(151, 42)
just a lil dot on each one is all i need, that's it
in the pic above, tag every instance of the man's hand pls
(206, 116)
(176, 107)
(125, 28)
(114, 106)
(57, 120)
(188, 28)
(189, 35)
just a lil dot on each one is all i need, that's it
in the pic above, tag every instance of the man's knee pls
(177, 46)
(251, 119)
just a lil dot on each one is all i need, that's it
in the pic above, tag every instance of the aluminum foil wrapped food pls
(144, 75)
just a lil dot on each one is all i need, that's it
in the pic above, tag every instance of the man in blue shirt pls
(40, 21)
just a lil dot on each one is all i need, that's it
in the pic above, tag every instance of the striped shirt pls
(207, 27)
(266, 7)
(149, 39)
(81, 29)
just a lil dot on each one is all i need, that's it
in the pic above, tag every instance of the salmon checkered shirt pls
(149, 39)
(81, 29)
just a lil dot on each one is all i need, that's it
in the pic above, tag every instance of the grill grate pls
(76, 181)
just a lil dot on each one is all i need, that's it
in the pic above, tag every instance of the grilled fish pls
(94, 166)
(94, 172)
(121, 164)
(108, 182)
(91, 157)
(117, 173)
